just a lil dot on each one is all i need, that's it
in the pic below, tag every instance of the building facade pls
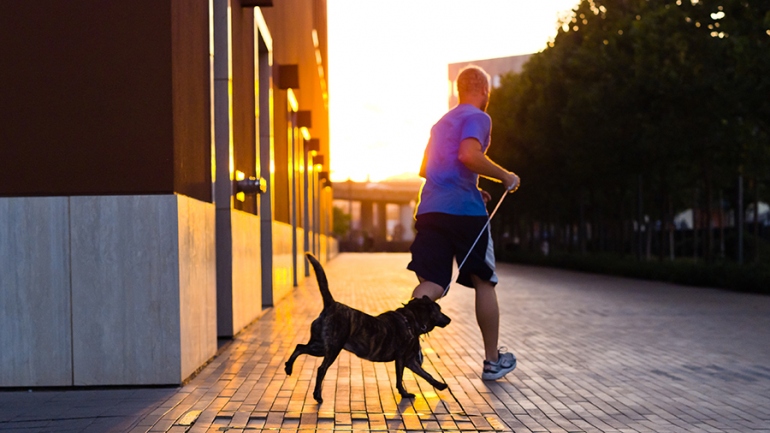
(163, 167)
(496, 68)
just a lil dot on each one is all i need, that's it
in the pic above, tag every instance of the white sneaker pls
(506, 363)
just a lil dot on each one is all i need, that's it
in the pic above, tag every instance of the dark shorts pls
(441, 238)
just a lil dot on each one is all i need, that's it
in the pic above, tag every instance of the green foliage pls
(341, 225)
(666, 96)
(753, 278)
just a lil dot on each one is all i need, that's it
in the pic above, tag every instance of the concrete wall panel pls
(197, 284)
(247, 269)
(35, 332)
(125, 290)
(283, 280)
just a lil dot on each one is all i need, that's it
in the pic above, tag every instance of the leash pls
(483, 229)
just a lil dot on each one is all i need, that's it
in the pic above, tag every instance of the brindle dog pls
(391, 336)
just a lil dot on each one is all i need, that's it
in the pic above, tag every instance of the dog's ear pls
(427, 298)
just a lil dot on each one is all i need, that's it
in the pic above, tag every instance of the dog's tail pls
(320, 275)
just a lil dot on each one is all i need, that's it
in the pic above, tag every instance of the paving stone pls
(596, 354)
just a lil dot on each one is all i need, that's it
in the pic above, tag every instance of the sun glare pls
(388, 70)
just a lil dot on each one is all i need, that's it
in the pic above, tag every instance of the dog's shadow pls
(433, 401)
(405, 405)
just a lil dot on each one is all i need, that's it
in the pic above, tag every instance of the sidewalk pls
(596, 354)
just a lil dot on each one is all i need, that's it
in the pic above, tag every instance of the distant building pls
(494, 67)
(382, 211)
(163, 166)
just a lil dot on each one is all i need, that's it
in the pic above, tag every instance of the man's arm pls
(424, 164)
(475, 160)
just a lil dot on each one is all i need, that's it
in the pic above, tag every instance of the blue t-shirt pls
(449, 186)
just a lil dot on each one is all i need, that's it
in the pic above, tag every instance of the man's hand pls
(485, 196)
(512, 182)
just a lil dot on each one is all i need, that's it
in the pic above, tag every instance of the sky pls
(388, 79)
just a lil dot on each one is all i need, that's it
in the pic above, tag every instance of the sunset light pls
(388, 62)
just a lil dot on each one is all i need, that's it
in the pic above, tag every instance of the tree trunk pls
(593, 224)
(648, 253)
(721, 227)
(663, 223)
(709, 221)
(640, 218)
(695, 225)
(756, 220)
(739, 219)
(564, 236)
(622, 226)
(671, 228)
(582, 226)
(531, 239)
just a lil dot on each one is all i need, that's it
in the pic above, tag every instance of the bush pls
(751, 278)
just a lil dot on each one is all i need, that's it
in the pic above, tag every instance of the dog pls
(391, 336)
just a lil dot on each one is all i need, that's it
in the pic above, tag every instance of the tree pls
(636, 106)
(341, 222)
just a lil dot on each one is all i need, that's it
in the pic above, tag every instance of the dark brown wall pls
(192, 98)
(244, 97)
(281, 205)
(87, 101)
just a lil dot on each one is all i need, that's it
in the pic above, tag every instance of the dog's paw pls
(442, 386)
(317, 397)
(288, 369)
(405, 394)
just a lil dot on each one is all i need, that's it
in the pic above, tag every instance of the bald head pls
(473, 86)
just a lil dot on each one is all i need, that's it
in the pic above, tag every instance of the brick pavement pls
(596, 354)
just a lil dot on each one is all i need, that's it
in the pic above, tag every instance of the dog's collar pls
(406, 321)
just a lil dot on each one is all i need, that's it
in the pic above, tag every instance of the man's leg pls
(487, 316)
(427, 288)
(499, 362)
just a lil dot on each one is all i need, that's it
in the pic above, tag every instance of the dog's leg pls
(400, 379)
(329, 358)
(414, 365)
(289, 366)
(313, 348)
